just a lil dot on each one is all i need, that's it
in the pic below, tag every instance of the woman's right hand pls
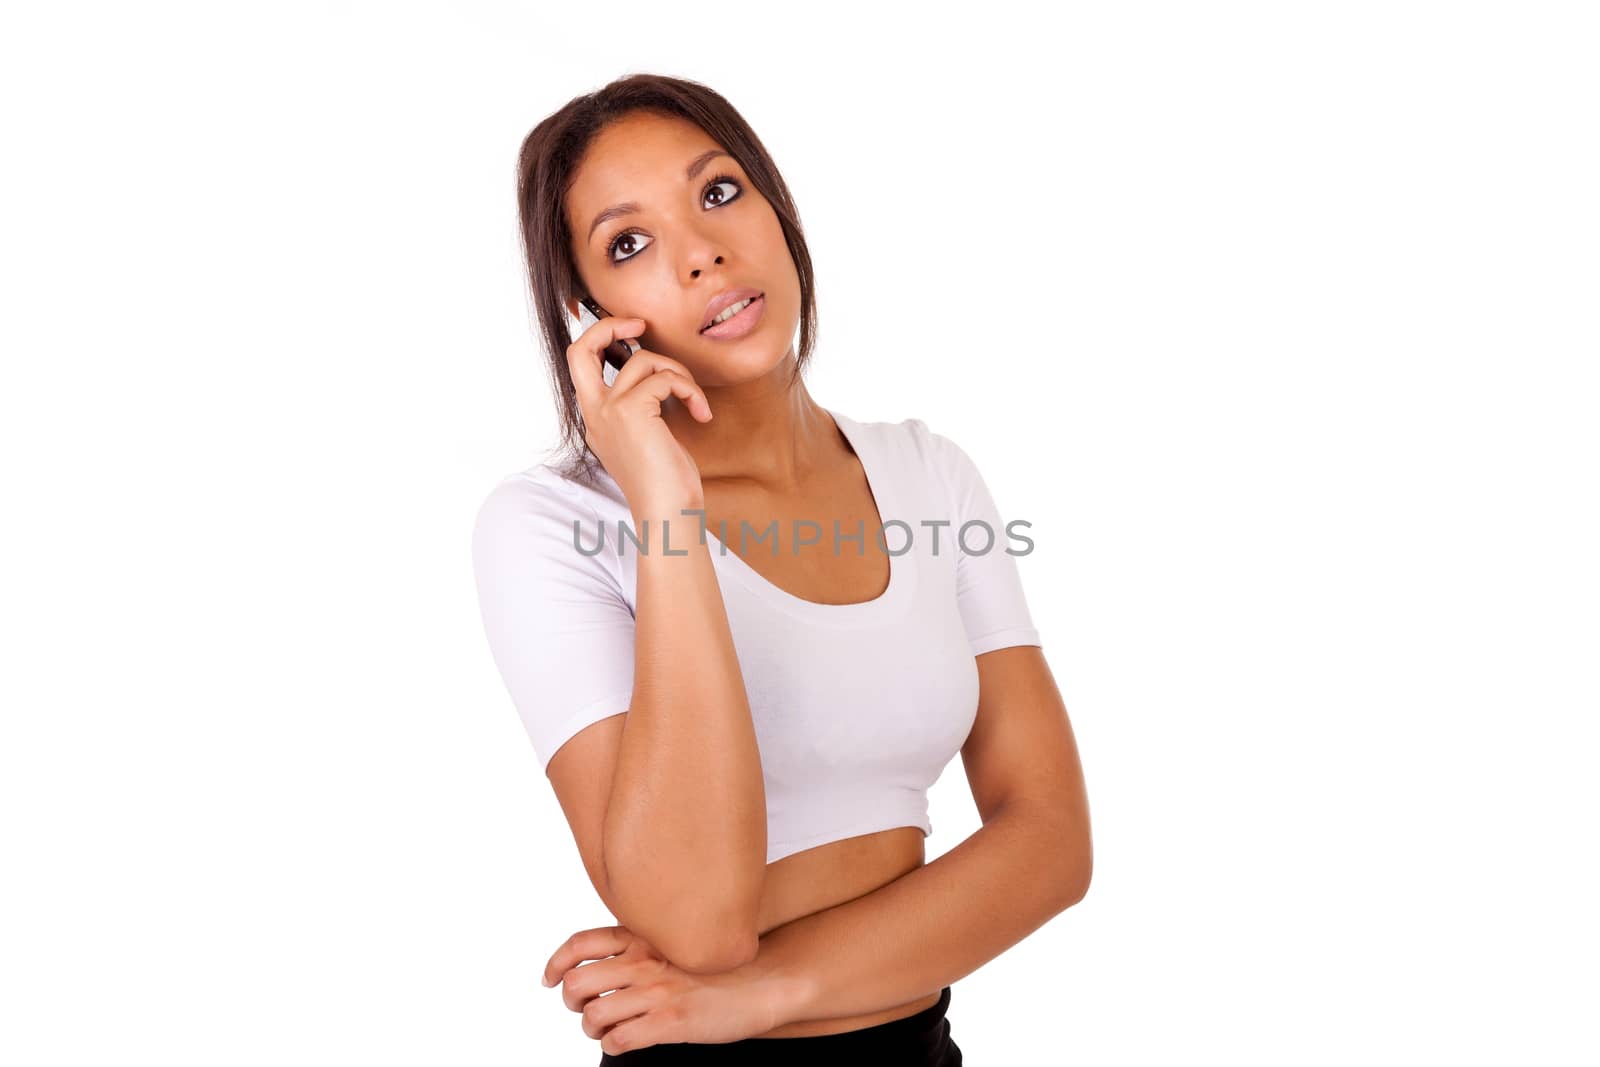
(623, 424)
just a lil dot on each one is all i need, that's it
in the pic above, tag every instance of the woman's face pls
(681, 239)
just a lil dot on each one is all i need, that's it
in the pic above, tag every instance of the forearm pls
(685, 831)
(928, 928)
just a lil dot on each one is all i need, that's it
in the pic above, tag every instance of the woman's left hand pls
(654, 1002)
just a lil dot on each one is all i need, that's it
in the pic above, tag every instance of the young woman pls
(746, 632)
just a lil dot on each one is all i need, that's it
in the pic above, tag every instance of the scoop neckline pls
(902, 571)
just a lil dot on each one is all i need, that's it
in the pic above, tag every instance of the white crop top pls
(857, 708)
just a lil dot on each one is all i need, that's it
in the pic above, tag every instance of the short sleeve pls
(989, 593)
(559, 627)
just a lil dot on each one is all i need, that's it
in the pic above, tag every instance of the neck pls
(767, 433)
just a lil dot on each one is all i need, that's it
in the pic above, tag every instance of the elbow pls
(699, 922)
(1073, 869)
(689, 938)
(1075, 881)
(721, 943)
(709, 940)
(1075, 888)
(714, 952)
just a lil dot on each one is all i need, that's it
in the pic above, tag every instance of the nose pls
(694, 272)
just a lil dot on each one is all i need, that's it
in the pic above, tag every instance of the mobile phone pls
(618, 351)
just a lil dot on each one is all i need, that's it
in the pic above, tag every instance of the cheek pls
(774, 247)
(774, 228)
(647, 287)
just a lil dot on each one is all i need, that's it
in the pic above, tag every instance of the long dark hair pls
(546, 167)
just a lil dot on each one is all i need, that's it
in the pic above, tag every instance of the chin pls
(730, 365)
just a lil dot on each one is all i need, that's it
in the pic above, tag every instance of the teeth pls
(729, 312)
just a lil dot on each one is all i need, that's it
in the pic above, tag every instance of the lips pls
(724, 300)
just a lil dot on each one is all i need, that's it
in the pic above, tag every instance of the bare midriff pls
(820, 878)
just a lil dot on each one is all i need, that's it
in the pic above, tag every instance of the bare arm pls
(1032, 859)
(925, 929)
(666, 802)
(685, 835)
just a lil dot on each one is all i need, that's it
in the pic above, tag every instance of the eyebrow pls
(696, 165)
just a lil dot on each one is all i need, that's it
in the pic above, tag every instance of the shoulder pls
(911, 435)
(543, 491)
(532, 519)
(524, 501)
(921, 449)
(537, 555)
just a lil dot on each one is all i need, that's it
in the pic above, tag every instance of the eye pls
(722, 179)
(628, 236)
(631, 236)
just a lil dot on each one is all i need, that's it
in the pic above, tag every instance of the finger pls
(604, 1012)
(641, 1031)
(651, 364)
(585, 361)
(583, 983)
(598, 943)
(595, 944)
(643, 364)
(665, 383)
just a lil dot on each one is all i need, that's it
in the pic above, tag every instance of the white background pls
(1278, 321)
